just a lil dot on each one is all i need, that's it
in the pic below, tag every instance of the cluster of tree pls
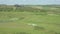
(24, 8)
(5, 8)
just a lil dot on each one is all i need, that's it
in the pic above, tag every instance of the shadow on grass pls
(21, 33)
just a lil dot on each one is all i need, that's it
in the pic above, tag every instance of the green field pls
(16, 21)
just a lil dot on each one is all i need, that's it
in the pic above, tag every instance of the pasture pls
(17, 22)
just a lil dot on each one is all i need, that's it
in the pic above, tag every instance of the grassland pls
(16, 21)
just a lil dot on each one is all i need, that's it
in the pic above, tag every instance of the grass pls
(48, 22)
(16, 22)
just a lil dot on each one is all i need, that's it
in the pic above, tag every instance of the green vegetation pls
(14, 20)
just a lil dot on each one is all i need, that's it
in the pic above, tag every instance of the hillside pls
(27, 19)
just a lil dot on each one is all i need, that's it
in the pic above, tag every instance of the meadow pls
(16, 21)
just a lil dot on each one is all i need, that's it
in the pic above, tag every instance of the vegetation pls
(14, 19)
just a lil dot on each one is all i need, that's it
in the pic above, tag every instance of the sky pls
(33, 2)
